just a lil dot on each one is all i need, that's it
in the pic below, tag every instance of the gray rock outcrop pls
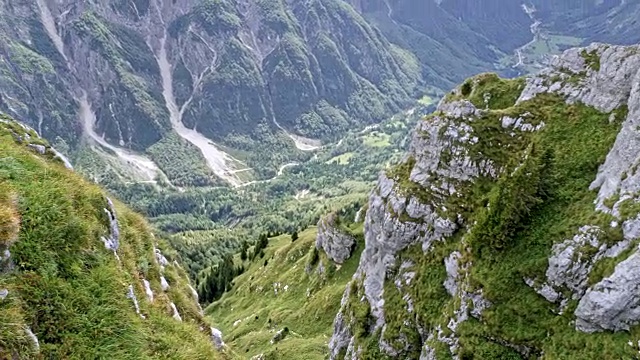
(164, 284)
(613, 303)
(40, 149)
(612, 83)
(134, 299)
(216, 338)
(112, 242)
(341, 331)
(397, 219)
(175, 313)
(35, 343)
(280, 335)
(335, 242)
(147, 289)
(572, 261)
(26, 137)
(162, 261)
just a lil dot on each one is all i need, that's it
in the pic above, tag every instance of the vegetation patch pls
(342, 159)
(182, 162)
(540, 198)
(537, 202)
(377, 139)
(591, 59)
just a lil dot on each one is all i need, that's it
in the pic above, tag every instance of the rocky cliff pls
(81, 276)
(510, 230)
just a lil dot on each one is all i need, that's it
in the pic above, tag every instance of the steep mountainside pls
(510, 230)
(82, 277)
(237, 72)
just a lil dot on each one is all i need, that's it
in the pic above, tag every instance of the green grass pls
(376, 139)
(591, 59)
(260, 313)
(342, 159)
(578, 137)
(30, 61)
(499, 93)
(426, 100)
(71, 291)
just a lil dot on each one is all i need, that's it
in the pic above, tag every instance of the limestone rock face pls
(607, 78)
(572, 261)
(336, 243)
(341, 332)
(613, 303)
(606, 84)
(397, 219)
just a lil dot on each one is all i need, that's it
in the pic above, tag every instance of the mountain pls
(455, 39)
(510, 228)
(131, 74)
(203, 93)
(82, 276)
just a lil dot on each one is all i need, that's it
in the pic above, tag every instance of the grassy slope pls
(66, 287)
(261, 313)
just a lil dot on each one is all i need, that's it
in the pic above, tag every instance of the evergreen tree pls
(243, 251)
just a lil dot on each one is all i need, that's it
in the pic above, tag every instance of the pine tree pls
(243, 251)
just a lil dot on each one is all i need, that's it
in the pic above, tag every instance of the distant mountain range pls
(264, 80)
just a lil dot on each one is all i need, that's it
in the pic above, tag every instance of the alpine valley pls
(319, 179)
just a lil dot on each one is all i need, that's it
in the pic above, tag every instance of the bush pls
(466, 88)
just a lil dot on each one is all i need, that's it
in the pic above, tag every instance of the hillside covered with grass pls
(81, 276)
(293, 290)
